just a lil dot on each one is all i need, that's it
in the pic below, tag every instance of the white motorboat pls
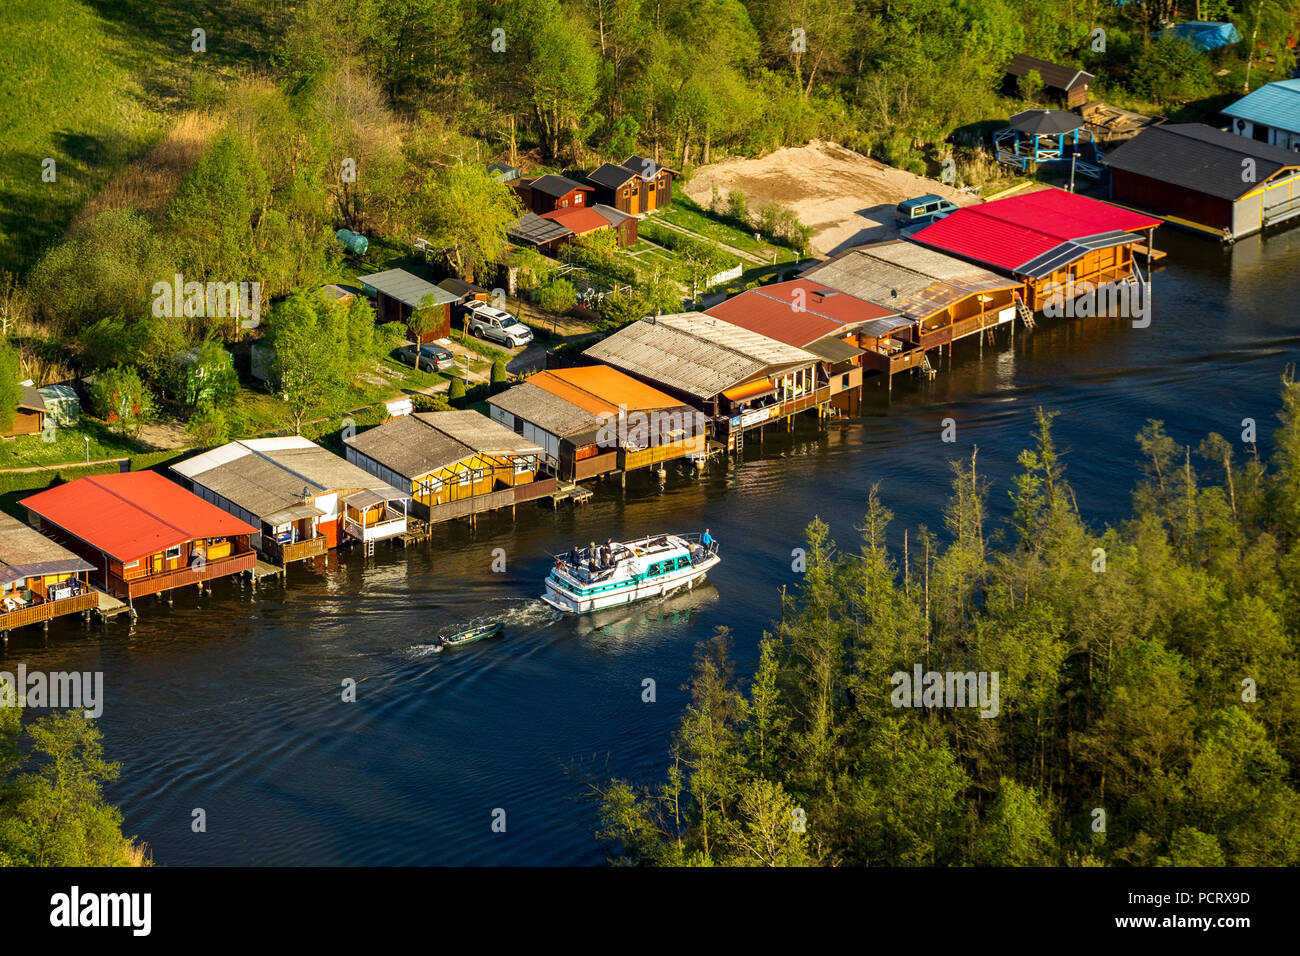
(589, 579)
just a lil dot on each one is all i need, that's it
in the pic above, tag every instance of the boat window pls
(652, 570)
(683, 562)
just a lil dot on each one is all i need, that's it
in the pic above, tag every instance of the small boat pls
(624, 572)
(472, 635)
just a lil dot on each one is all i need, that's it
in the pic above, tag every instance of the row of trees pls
(1149, 685)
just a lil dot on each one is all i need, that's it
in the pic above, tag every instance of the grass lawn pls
(69, 445)
(93, 86)
(688, 214)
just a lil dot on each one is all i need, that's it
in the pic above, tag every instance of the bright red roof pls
(771, 311)
(578, 219)
(1008, 233)
(132, 514)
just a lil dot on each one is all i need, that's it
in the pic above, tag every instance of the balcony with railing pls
(289, 551)
(194, 574)
(76, 599)
(388, 525)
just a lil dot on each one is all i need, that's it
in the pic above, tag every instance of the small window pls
(844, 380)
(173, 552)
(683, 562)
(577, 199)
(131, 564)
(626, 192)
(652, 571)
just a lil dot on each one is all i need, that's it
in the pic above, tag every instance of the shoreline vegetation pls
(142, 151)
(52, 808)
(1149, 674)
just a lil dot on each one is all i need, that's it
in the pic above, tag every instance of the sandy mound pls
(847, 198)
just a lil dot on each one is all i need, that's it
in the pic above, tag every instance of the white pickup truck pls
(498, 325)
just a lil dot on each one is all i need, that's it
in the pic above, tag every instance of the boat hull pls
(569, 601)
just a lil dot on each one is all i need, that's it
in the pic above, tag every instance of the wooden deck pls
(46, 610)
(298, 551)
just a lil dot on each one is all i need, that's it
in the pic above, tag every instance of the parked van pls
(923, 210)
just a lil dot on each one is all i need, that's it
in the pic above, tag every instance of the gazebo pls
(1047, 136)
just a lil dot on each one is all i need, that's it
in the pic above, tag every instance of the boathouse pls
(453, 464)
(143, 533)
(297, 494)
(817, 318)
(398, 293)
(1269, 115)
(39, 578)
(1049, 239)
(1206, 180)
(617, 422)
(740, 379)
(568, 432)
(933, 300)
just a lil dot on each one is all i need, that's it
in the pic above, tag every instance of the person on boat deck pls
(573, 556)
(706, 539)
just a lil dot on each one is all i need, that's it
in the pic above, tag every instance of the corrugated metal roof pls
(132, 514)
(737, 339)
(479, 432)
(1010, 233)
(1054, 75)
(1275, 104)
(1199, 158)
(415, 445)
(25, 552)
(265, 476)
(546, 410)
(836, 350)
(578, 219)
(613, 216)
(913, 280)
(611, 387)
(694, 353)
(406, 288)
(798, 311)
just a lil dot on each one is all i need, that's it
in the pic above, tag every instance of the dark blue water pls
(231, 702)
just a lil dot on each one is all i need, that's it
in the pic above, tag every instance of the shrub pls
(456, 392)
(738, 206)
(499, 375)
(557, 296)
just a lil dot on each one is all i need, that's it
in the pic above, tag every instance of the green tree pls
(465, 213)
(120, 397)
(11, 392)
(309, 369)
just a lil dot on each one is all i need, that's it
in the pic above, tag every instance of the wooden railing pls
(501, 498)
(297, 550)
(375, 531)
(165, 581)
(628, 460)
(87, 600)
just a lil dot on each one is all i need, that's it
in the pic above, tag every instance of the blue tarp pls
(1202, 34)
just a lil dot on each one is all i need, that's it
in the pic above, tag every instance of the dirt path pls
(65, 464)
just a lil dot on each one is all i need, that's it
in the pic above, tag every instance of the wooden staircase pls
(1026, 314)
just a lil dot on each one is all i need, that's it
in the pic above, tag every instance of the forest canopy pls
(1148, 709)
